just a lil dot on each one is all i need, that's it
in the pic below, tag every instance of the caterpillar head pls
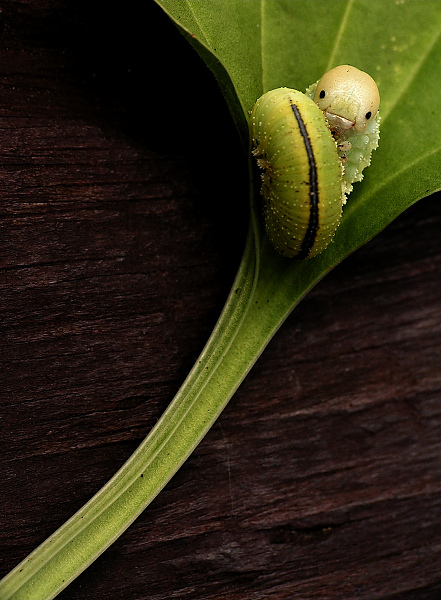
(348, 97)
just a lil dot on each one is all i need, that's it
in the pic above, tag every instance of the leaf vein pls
(412, 75)
(395, 175)
(262, 54)
(206, 39)
(339, 35)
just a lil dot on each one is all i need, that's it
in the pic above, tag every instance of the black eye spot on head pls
(368, 115)
(322, 94)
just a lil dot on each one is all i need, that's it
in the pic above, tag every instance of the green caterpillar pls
(311, 148)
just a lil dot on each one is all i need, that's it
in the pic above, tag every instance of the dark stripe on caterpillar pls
(311, 232)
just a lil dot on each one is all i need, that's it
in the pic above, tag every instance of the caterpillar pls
(311, 148)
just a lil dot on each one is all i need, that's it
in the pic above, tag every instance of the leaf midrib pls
(339, 36)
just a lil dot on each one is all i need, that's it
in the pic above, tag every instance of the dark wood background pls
(122, 225)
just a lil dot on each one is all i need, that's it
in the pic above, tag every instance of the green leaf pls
(253, 46)
(285, 43)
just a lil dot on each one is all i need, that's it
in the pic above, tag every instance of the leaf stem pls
(205, 392)
(265, 290)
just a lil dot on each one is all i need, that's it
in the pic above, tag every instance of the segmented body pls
(311, 148)
(302, 173)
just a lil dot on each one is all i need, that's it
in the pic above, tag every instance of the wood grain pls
(322, 478)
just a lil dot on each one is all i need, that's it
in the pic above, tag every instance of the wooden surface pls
(322, 478)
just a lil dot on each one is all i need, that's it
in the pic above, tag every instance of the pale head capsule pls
(302, 172)
(349, 99)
